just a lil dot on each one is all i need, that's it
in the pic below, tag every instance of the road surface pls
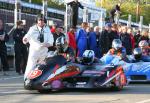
(12, 91)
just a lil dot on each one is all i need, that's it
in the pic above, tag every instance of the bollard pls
(85, 15)
(141, 23)
(102, 20)
(149, 28)
(129, 21)
(17, 7)
(44, 8)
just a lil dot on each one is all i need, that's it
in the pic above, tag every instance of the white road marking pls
(11, 78)
(10, 92)
(144, 101)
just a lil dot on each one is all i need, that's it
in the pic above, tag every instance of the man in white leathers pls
(40, 38)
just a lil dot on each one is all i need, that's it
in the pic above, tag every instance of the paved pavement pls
(12, 91)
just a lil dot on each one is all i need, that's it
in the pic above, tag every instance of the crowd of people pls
(42, 40)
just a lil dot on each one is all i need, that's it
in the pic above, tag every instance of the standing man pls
(104, 39)
(21, 53)
(39, 38)
(75, 6)
(126, 40)
(3, 49)
(98, 49)
(114, 11)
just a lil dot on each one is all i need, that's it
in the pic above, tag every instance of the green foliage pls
(51, 4)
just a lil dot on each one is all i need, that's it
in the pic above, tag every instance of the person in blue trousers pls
(81, 39)
(91, 39)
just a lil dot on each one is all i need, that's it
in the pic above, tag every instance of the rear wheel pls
(118, 88)
(119, 82)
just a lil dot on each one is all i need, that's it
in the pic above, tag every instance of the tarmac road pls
(12, 91)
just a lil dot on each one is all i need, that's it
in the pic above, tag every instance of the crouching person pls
(62, 54)
(138, 56)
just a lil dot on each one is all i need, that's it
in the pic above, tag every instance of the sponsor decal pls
(35, 74)
(63, 75)
(55, 68)
(111, 73)
(93, 72)
(141, 68)
(64, 72)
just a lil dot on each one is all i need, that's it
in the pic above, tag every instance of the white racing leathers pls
(37, 52)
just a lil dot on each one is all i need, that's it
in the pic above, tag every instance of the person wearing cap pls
(21, 52)
(40, 38)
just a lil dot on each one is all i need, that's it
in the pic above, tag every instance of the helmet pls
(88, 56)
(137, 52)
(61, 44)
(116, 44)
(143, 43)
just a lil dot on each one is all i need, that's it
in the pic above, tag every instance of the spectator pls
(119, 29)
(98, 50)
(3, 50)
(57, 34)
(129, 31)
(104, 39)
(72, 40)
(91, 39)
(75, 6)
(144, 36)
(126, 40)
(81, 39)
(136, 38)
(39, 38)
(113, 33)
(143, 44)
(53, 28)
(21, 53)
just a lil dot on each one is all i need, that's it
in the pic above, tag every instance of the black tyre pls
(44, 91)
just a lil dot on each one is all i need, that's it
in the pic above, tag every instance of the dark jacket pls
(2, 32)
(104, 42)
(55, 36)
(136, 38)
(112, 35)
(143, 38)
(75, 6)
(18, 35)
(126, 42)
